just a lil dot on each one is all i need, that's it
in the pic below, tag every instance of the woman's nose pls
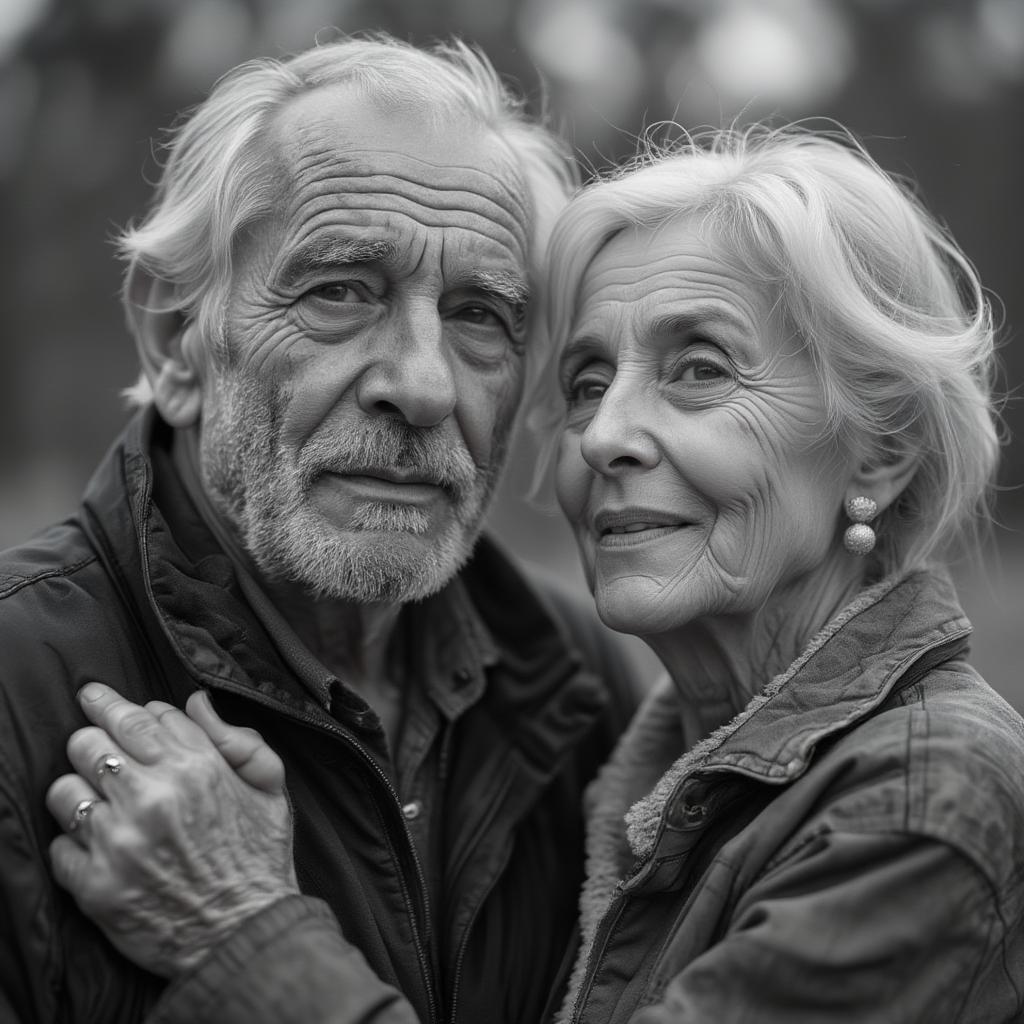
(617, 438)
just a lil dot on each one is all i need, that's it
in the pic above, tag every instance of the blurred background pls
(934, 89)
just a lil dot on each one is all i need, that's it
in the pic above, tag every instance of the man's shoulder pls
(57, 550)
(57, 621)
(52, 585)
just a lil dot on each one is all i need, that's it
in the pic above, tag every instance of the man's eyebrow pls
(502, 283)
(328, 253)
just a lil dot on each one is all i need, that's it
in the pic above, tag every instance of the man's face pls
(355, 426)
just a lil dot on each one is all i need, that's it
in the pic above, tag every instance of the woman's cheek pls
(572, 478)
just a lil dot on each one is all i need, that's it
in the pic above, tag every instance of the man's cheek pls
(485, 417)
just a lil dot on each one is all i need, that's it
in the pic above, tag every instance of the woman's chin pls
(631, 613)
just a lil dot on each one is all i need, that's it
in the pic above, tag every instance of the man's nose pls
(411, 375)
(617, 438)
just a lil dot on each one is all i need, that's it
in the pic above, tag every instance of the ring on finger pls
(109, 764)
(82, 811)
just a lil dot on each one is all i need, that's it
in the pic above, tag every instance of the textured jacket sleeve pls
(29, 975)
(289, 964)
(834, 932)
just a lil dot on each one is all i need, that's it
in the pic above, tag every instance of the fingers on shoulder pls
(244, 749)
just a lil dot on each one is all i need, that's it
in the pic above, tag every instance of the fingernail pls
(204, 696)
(90, 692)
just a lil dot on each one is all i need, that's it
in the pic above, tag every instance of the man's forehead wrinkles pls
(382, 166)
(373, 213)
(390, 191)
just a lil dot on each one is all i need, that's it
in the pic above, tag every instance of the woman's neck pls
(718, 663)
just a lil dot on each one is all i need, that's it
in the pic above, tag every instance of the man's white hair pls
(218, 178)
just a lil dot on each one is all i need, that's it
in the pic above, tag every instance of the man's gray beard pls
(265, 496)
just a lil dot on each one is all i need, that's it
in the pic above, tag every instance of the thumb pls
(243, 748)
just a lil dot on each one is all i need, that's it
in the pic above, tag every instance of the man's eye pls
(480, 316)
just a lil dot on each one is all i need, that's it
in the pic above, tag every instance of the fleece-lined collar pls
(846, 671)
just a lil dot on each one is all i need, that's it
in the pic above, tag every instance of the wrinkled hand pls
(189, 832)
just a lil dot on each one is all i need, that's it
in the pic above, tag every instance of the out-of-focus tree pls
(933, 88)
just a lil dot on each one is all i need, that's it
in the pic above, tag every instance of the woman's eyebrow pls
(582, 346)
(695, 317)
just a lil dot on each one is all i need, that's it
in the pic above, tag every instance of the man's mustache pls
(389, 444)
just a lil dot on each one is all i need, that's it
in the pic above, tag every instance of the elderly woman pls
(776, 415)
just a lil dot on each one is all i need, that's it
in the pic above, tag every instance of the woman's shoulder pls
(945, 758)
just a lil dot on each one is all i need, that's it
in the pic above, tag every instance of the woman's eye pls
(702, 372)
(584, 390)
(339, 291)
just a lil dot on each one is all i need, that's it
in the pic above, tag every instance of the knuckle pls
(249, 735)
(81, 741)
(121, 838)
(137, 723)
(94, 900)
(58, 788)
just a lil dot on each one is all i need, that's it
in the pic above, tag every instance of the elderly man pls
(330, 302)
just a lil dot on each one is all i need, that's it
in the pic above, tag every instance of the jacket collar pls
(840, 679)
(156, 543)
(874, 645)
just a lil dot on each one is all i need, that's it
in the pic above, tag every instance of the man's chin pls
(375, 566)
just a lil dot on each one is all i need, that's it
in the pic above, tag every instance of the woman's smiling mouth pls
(631, 526)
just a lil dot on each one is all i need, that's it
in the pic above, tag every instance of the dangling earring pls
(859, 538)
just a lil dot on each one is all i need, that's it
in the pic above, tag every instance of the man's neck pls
(350, 639)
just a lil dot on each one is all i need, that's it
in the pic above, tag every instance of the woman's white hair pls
(219, 178)
(891, 311)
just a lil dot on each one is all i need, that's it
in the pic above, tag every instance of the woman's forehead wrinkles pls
(718, 295)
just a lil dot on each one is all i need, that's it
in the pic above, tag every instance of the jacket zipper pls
(463, 945)
(465, 935)
(597, 948)
(931, 657)
(332, 730)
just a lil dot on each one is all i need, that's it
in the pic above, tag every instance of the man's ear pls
(883, 478)
(166, 347)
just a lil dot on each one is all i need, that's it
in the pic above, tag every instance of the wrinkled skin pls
(189, 838)
(695, 464)
(384, 297)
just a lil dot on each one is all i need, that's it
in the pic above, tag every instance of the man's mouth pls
(391, 474)
(389, 484)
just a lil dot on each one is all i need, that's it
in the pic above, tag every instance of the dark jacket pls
(133, 591)
(850, 848)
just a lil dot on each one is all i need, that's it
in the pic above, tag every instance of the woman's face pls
(695, 465)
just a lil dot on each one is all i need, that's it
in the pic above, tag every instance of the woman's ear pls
(160, 331)
(883, 478)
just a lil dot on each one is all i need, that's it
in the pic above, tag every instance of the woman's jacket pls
(849, 848)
